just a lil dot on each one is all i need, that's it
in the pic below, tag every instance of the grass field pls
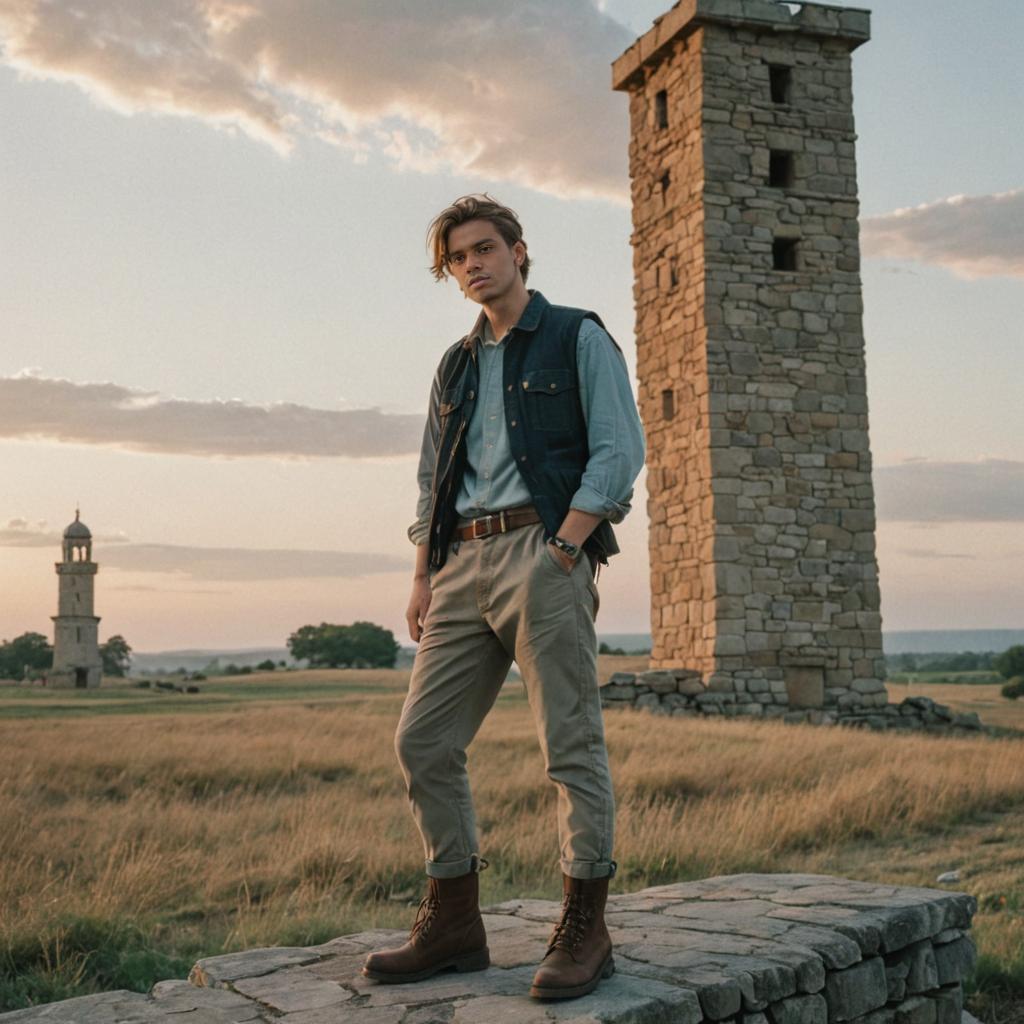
(145, 828)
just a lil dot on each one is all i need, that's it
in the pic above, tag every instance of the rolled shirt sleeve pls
(419, 531)
(615, 435)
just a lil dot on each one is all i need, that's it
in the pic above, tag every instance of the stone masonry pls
(681, 694)
(743, 949)
(750, 350)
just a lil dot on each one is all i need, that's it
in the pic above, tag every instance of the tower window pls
(780, 78)
(673, 274)
(664, 182)
(668, 404)
(661, 109)
(78, 634)
(784, 254)
(781, 169)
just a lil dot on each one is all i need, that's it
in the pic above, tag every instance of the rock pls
(622, 678)
(618, 692)
(916, 1010)
(967, 720)
(806, 1009)
(658, 682)
(948, 877)
(856, 990)
(955, 960)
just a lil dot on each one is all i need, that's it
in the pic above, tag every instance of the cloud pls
(973, 236)
(503, 91)
(190, 562)
(988, 490)
(142, 589)
(201, 563)
(25, 533)
(41, 408)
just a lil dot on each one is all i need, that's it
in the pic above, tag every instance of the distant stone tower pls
(750, 350)
(76, 653)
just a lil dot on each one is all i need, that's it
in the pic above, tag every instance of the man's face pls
(482, 262)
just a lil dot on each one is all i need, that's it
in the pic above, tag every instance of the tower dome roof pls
(77, 530)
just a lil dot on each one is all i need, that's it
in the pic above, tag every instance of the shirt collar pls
(529, 320)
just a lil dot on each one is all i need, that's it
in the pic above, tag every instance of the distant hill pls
(144, 662)
(195, 660)
(910, 641)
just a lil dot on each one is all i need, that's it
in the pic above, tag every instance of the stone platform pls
(748, 949)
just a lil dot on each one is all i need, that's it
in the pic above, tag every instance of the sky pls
(218, 328)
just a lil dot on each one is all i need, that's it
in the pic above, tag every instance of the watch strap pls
(572, 550)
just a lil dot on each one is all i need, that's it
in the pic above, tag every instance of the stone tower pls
(76, 653)
(750, 350)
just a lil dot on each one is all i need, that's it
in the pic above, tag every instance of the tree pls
(362, 644)
(116, 656)
(1011, 662)
(30, 652)
(267, 665)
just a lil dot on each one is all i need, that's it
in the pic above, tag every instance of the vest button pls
(526, 383)
(552, 386)
(510, 387)
(513, 423)
(470, 395)
(522, 458)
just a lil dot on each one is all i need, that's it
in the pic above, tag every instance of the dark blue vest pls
(546, 428)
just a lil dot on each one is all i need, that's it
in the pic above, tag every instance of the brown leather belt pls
(498, 522)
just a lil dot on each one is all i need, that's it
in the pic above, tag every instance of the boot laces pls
(425, 917)
(570, 930)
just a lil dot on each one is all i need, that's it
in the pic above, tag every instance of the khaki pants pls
(496, 599)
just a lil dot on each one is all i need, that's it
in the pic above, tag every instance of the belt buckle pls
(482, 519)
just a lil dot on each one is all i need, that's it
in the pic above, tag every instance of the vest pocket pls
(450, 401)
(550, 399)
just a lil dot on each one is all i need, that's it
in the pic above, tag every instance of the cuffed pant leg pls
(457, 675)
(555, 644)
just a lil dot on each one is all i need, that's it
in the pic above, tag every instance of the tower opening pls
(781, 168)
(784, 254)
(780, 80)
(668, 404)
(661, 109)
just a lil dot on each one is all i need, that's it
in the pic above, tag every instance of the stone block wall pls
(750, 350)
(681, 694)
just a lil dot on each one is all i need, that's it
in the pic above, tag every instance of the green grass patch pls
(80, 956)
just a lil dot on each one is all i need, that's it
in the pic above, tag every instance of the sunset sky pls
(218, 330)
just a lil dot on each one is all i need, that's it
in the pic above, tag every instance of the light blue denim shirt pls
(491, 481)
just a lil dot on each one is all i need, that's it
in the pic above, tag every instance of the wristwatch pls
(572, 550)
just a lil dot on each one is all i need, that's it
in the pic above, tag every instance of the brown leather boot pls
(580, 949)
(448, 933)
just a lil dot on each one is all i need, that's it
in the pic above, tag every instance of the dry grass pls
(275, 820)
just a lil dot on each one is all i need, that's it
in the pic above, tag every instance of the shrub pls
(1011, 662)
(1014, 688)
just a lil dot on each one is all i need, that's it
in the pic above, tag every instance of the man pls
(531, 449)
